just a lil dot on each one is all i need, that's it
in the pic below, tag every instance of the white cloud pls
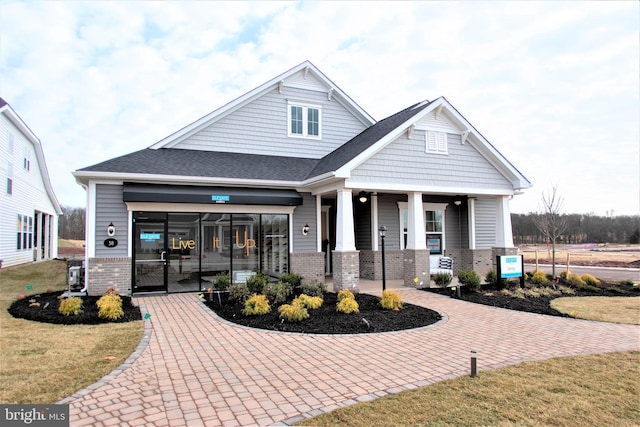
(553, 85)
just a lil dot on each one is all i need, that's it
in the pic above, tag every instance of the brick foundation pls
(309, 265)
(346, 271)
(416, 266)
(105, 273)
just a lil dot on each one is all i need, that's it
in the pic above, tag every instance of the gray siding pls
(486, 226)
(362, 223)
(305, 214)
(260, 127)
(389, 216)
(457, 234)
(110, 208)
(405, 161)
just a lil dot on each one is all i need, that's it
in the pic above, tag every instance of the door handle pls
(163, 256)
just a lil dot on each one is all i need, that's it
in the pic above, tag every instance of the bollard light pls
(383, 232)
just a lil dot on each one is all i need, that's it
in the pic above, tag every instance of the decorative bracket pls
(465, 134)
(410, 131)
(306, 72)
(330, 94)
(280, 84)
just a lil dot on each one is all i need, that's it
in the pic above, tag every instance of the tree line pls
(71, 223)
(579, 228)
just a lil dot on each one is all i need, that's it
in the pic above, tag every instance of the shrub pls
(442, 279)
(310, 302)
(294, 312)
(519, 293)
(256, 283)
(71, 306)
(314, 289)
(616, 290)
(348, 306)
(532, 293)
(566, 290)
(222, 281)
(110, 307)
(239, 292)
(256, 305)
(565, 274)
(588, 288)
(391, 300)
(345, 293)
(277, 293)
(627, 282)
(548, 292)
(469, 278)
(539, 277)
(590, 280)
(292, 278)
(575, 280)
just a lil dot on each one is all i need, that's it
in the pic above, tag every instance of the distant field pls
(622, 255)
(68, 247)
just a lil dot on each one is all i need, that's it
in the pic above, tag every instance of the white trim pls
(204, 208)
(471, 220)
(305, 119)
(345, 234)
(430, 189)
(90, 238)
(318, 223)
(374, 221)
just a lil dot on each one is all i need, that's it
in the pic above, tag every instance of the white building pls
(29, 209)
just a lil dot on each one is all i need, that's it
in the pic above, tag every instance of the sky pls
(554, 86)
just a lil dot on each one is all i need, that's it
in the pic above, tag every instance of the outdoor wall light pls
(457, 202)
(111, 230)
(363, 197)
(305, 230)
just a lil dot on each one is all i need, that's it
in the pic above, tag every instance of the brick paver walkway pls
(198, 370)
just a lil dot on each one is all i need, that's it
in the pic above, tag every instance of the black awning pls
(209, 195)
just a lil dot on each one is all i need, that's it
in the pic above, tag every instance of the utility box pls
(75, 275)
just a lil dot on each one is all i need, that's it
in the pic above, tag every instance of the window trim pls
(403, 207)
(305, 120)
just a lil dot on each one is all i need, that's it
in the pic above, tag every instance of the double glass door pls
(166, 255)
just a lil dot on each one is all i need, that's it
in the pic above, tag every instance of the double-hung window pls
(304, 120)
(434, 226)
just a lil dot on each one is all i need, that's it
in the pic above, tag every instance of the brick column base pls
(309, 265)
(416, 265)
(346, 271)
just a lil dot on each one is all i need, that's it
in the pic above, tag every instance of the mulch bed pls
(47, 311)
(326, 320)
(540, 305)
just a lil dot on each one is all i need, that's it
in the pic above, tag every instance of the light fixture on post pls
(111, 230)
(383, 232)
(363, 197)
(305, 230)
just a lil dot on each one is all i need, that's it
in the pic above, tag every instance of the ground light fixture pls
(383, 232)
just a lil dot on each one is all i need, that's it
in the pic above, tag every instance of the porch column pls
(346, 260)
(48, 253)
(504, 235)
(39, 236)
(416, 254)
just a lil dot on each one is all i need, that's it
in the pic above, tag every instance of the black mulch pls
(326, 320)
(47, 311)
(540, 305)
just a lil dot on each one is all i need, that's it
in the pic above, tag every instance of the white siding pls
(260, 127)
(111, 209)
(405, 161)
(28, 196)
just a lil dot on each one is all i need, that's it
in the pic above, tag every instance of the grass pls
(603, 309)
(44, 363)
(582, 390)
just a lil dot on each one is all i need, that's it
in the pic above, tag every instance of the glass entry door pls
(150, 273)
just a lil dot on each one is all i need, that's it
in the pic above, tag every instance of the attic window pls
(304, 120)
(436, 142)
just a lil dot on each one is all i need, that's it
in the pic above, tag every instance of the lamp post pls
(383, 232)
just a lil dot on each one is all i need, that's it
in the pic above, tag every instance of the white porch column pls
(39, 239)
(504, 235)
(471, 219)
(48, 252)
(374, 222)
(416, 227)
(345, 232)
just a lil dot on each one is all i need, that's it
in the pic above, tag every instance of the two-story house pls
(294, 176)
(29, 209)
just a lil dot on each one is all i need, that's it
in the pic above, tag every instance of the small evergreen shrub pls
(222, 282)
(314, 289)
(310, 302)
(469, 278)
(294, 312)
(391, 300)
(492, 279)
(345, 293)
(110, 307)
(256, 305)
(348, 306)
(277, 293)
(291, 278)
(590, 280)
(256, 283)
(71, 306)
(238, 292)
(565, 275)
(627, 282)
(442, 279)
(539, 277)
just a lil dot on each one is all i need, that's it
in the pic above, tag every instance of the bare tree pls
(551, 223)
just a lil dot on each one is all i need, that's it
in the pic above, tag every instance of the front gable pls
(261, 121)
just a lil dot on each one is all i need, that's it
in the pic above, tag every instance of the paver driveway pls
(199, 370)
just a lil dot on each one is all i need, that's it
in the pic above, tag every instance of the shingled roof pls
(181, 162)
